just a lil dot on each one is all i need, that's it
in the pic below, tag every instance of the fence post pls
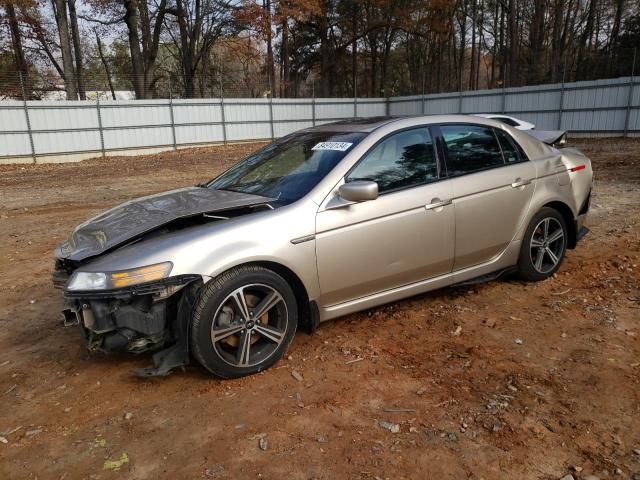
(564, 71)
(460, 102)
(355, 98)
(271, 117)
(387, 103)
(630, 99)
(271, 107)
(222, 116)
(100, 132)
(173, 123)
(422, 106)
(313, 103)
(504, 91)
(28, 120)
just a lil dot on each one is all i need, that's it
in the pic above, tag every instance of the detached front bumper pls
(147, 317)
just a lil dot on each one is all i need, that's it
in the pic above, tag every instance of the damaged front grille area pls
(135, 324)
(133, 319)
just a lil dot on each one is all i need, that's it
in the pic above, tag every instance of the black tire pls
(534, 244)
(265, 338)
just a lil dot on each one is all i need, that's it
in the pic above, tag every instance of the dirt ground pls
(498, 381)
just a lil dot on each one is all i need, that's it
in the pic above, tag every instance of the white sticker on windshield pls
(339, 146)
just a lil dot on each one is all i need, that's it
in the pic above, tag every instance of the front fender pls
(208, 250)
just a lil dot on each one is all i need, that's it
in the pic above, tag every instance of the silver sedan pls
(321, 223)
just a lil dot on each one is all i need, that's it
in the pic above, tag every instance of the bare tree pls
(60, 12)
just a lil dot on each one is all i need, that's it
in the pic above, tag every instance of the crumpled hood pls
(136, 217)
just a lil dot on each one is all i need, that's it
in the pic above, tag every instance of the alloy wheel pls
(547, 245)
(249, 325)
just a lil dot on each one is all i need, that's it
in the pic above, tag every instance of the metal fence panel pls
(14, 145)
(334, 108)
(132, 114)
(197, 111)
(192, 134)
(280, 129)
(246, 131)
(371, 107)
(73, 115)
(66, 141)
(143, 137)
(12, 117)
(34, 129)
(441, 103)
(482, 101)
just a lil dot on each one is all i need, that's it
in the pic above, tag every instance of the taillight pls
(578, 168)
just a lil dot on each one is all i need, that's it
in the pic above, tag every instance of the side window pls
(401, 160)
(470, 148)
(509, 150)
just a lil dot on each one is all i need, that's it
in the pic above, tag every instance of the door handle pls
(520, 183)
(437, 203)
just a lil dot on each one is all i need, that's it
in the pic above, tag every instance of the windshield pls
(289, 168)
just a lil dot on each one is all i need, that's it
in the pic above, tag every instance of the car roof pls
(532, 146)
(370, 124)
(365, 125)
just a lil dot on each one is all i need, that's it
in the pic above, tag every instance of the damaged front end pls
(145, 308)
(149, 317)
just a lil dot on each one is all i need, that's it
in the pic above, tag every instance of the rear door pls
(492, 183)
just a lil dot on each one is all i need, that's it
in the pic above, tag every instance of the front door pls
(404, 236)
(492, 183)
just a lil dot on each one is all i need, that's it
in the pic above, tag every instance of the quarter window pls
(509, 150)
(470, 148)
(402, 160)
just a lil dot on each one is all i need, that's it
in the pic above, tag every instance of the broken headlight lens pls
(124, 278)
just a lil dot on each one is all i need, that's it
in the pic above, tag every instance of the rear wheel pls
(243, 322)
(543, 246)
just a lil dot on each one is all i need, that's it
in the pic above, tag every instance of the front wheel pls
(543, 246)
(243, 322)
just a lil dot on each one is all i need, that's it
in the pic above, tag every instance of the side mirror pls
(359, 191)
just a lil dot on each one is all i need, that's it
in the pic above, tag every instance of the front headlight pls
(124, 278)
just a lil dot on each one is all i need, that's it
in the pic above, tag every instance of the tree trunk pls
(18, 52)
(186, 51)
(536, 39)
(105, 65)
(284, 54)
(76, 49)
(472, 67)
(583, 64)
(271, 72)
(354, 50)
(463, 46)
(60, 11)
(615, 31)
(556, 44)
(385, 62)
(512, 33)
(494, 50)
(137, 64)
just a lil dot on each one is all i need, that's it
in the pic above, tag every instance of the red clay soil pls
(501, 380)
